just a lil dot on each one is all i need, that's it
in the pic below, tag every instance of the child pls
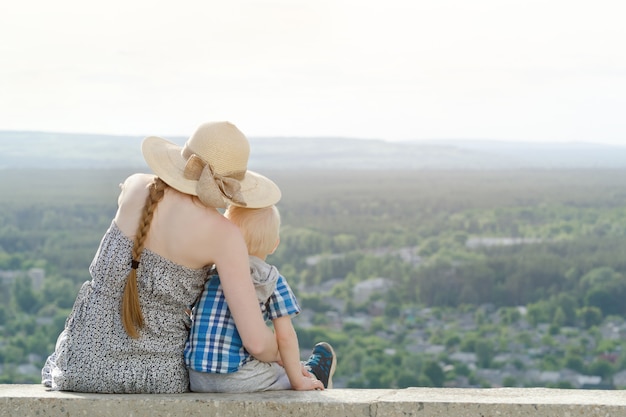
(214, 354)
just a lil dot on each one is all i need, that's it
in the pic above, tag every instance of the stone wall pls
(35, 400)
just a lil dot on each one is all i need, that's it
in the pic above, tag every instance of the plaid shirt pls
(214, 344)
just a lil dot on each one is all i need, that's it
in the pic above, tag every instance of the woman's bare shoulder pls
(132, 198)
(135, 187)
(140, 180)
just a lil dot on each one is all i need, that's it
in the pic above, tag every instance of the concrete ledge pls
(35, 400)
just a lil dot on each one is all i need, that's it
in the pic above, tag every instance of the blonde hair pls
(260, 227)
(132, 317)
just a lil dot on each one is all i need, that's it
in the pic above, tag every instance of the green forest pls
(418, 278)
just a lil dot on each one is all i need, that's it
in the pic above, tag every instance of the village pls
(512, 352)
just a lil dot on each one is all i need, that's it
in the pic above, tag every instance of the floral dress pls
(94, 353)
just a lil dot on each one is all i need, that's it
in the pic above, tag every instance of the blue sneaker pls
(322, 363)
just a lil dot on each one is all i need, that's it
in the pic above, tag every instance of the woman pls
(127, 330)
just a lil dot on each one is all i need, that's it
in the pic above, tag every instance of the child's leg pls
(252, 377)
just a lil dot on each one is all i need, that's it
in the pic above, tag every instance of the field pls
(344, 228)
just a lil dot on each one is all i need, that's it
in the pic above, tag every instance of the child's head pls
(260, 227)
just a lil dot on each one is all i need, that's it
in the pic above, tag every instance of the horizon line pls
(343, 137)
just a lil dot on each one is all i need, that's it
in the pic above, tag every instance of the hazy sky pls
(539, 70)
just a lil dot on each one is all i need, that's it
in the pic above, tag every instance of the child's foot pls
(322, 363)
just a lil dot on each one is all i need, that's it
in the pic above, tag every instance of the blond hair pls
(132, 317)
(260, 227)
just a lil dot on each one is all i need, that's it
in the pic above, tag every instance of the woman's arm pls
(232, 264)
(290, 356)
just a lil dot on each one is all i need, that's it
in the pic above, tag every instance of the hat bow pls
(212, 187)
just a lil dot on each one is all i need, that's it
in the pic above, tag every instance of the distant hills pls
(46, 150)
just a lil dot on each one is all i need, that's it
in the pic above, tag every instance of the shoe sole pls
(333, 365)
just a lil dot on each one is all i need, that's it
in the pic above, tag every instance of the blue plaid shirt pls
(214, 344)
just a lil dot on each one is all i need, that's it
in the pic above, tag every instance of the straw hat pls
(213, 165)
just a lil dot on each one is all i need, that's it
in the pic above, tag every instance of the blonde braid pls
(132, 318)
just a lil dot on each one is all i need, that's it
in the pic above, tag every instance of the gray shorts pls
(251, 377)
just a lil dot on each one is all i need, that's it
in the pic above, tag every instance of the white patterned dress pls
(94, 353)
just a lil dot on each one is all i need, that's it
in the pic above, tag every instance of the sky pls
(528, 70)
